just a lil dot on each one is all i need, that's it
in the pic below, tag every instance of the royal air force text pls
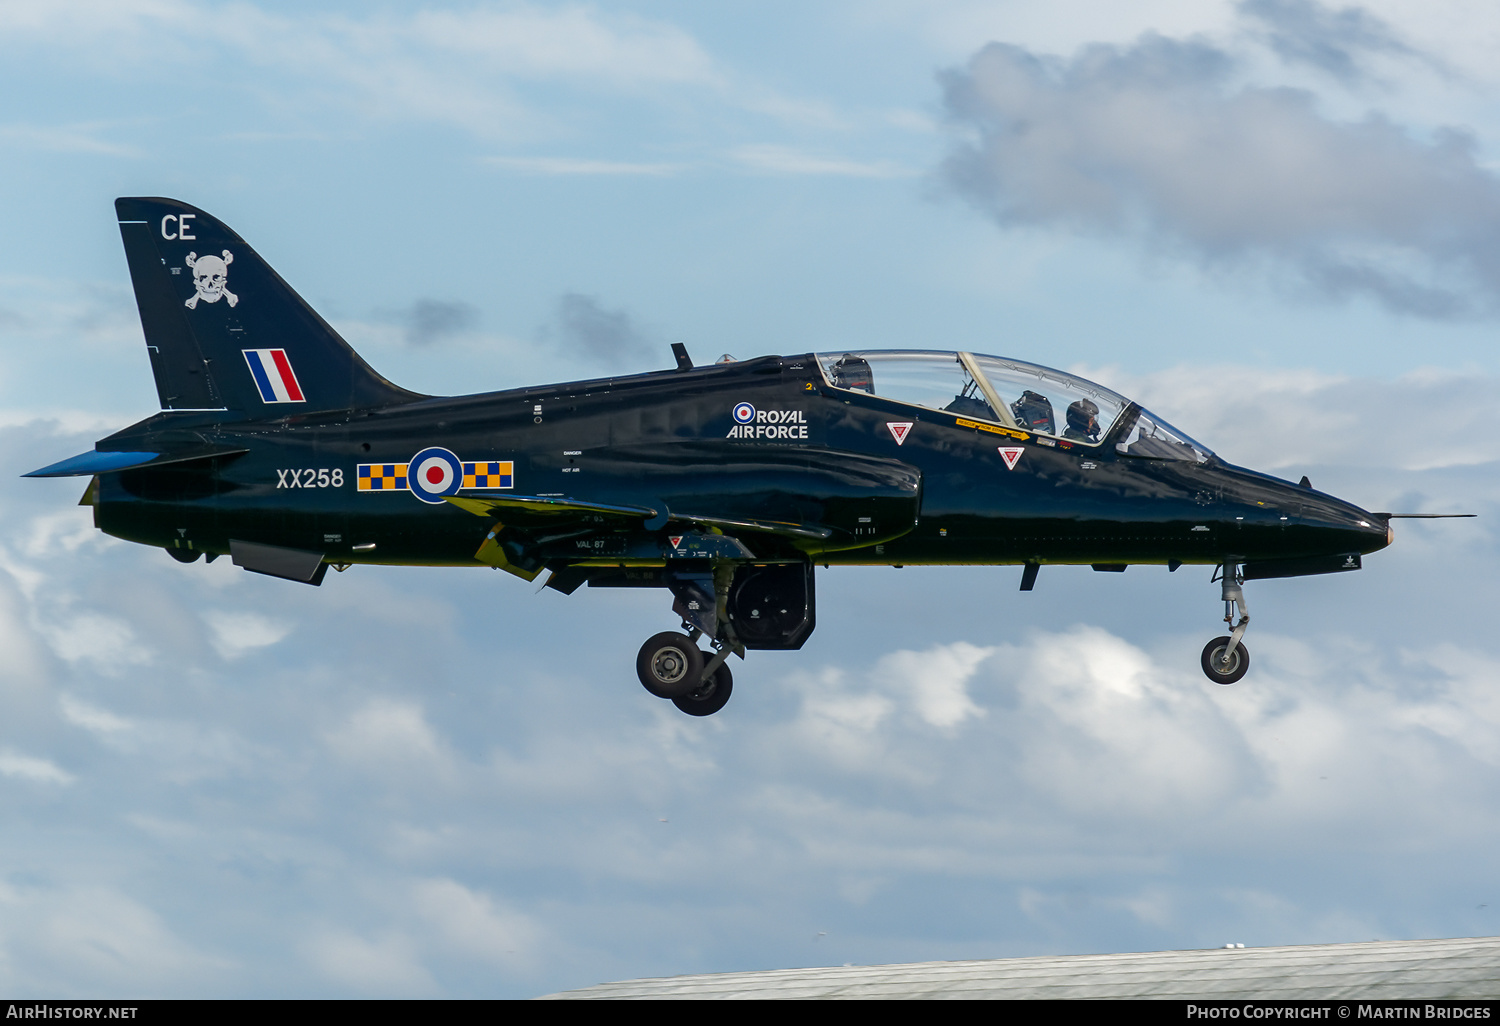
(790, 425)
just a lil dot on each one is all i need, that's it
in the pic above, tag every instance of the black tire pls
(669, 665)
(1213, 652)
(712, 696)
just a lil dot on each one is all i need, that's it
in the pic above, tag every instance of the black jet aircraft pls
(724, 485)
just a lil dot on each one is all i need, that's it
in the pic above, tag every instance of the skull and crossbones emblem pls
(210, 275)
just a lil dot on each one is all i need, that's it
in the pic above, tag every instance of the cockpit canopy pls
(1011, 393)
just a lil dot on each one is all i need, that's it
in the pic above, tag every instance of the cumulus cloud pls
(1161, 141)
(935, 682)
(1117, 736)
(1280, 418)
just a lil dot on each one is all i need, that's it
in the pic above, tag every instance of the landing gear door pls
(773, 606)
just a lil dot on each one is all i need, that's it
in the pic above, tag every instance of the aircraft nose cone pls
(1367, 532)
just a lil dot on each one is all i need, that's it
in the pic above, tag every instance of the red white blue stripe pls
(273, 376)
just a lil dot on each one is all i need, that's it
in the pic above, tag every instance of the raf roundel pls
(744, 413)
(434, 473)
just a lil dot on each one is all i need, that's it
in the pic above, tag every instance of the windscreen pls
(1153, 438)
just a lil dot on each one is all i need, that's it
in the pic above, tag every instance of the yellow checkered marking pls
(382, 477)
(495, 474)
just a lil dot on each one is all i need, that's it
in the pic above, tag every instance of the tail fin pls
(222, 328)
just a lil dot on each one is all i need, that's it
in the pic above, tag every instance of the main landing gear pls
(729, 607)
(1225, 660)
(671, 665)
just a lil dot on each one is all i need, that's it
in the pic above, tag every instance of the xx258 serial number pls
(322, 478)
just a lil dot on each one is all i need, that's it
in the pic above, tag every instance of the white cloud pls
(1275, 418)
(1107, 732)
(98, 939)
(64, 139)
(91, 717)
(26, 767)
(388, 734)
(454, 67)
(789, 161)
(388, 965)
(935, 681)
(237, 634)
(576, 166)
(567, 42)
(107, 643)
(474, 925)
(838, 723)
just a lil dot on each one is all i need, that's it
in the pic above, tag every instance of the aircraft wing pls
(539, 511)
(749, 502)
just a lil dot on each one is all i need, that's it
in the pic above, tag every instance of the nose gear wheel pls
(1217, 669)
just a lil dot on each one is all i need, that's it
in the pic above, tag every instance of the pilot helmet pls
(1083, 417)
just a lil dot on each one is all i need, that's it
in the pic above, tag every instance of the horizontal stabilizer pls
(91, 463)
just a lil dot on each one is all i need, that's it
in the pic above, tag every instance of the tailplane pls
(222, 328)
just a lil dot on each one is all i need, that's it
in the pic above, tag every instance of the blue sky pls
(1272, 221)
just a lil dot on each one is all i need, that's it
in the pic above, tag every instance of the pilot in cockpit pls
(1083, 421)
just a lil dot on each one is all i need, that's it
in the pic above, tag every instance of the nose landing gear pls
(1225, 660)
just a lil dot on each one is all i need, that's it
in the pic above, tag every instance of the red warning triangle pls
(675, 539)
(1011, 454)
(899, 430)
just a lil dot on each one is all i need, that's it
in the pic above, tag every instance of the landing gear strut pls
(671, 665)
(1226, 660)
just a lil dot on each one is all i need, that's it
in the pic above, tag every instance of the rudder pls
(223, 329)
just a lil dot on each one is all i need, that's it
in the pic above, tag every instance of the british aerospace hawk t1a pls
(724, 485)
